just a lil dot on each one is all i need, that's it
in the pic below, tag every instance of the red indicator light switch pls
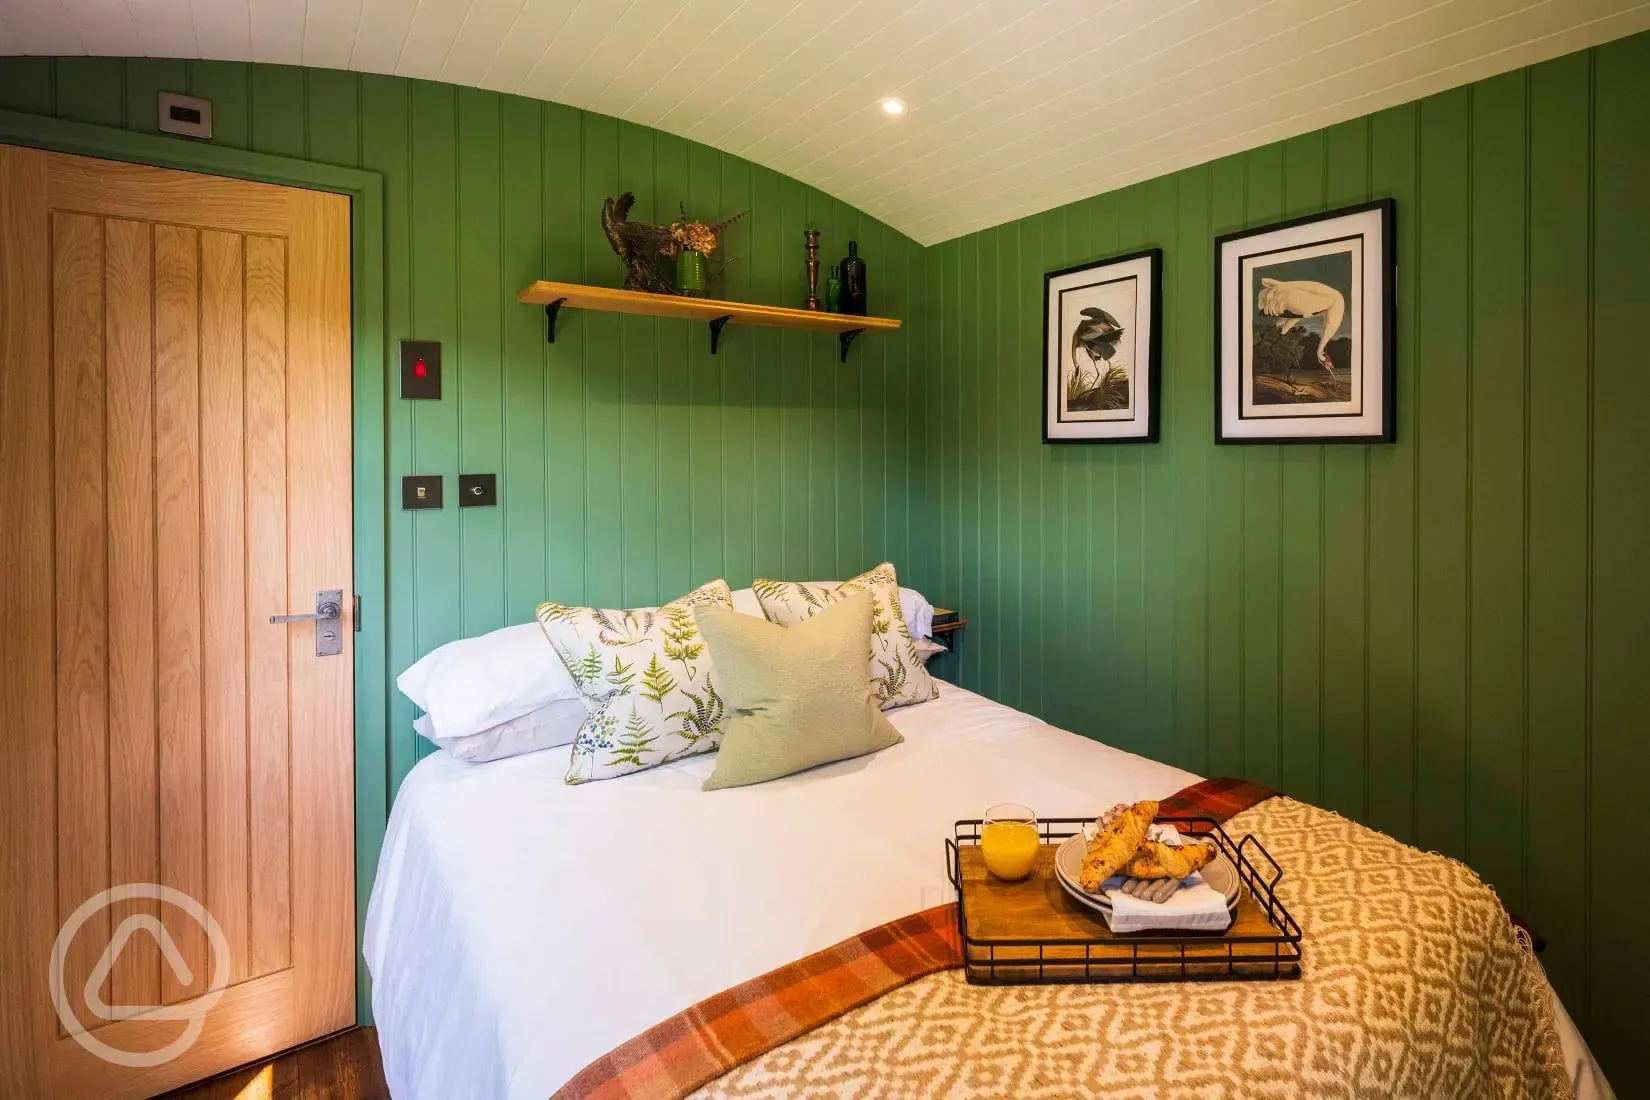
(421, 370)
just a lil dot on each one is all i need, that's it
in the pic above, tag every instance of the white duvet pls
(520, 928)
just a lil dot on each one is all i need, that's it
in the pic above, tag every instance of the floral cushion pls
(645, 678)
(898, 676)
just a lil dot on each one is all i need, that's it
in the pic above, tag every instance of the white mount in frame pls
(1304, 329)
(1101, 348)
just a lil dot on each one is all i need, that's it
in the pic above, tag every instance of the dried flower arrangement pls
(693, 235)
(638, 243)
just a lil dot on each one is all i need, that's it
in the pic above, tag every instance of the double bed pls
(521, 928)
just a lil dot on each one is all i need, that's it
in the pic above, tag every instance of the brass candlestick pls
(812, 237)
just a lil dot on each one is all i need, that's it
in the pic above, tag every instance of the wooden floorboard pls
(340, 1067)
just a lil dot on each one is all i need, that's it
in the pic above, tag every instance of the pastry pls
(1115, 844)
(1156, 860)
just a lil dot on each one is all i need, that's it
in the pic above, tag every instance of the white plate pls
(1096, 902)
(1068, 868)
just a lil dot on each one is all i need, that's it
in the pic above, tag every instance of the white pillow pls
(926, 647)
(546, 727)
(474, 684)
(914, 608)
(918, 613)
(746, 603)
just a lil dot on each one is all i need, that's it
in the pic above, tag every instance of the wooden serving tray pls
(1033, 931)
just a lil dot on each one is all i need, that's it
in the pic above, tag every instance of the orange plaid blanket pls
(1219, 799)
(672, 1059)
(693, 1048)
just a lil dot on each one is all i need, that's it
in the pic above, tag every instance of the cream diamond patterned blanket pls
(1414, 986)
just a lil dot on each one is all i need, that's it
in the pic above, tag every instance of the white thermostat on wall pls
(188, 115)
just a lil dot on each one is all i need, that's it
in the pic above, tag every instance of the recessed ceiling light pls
(893, 107)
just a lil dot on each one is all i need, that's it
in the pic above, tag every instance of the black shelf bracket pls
(716, 326)
(847, 340)
(550, 312)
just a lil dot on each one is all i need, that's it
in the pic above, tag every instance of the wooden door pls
(174, 470)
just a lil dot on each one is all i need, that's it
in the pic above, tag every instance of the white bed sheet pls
(520, 928)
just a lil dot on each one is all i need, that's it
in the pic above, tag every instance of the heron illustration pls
(1097, 334)
(1295, 301)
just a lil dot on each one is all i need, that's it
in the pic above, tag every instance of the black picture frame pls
(1376, 390)
(1144, 426)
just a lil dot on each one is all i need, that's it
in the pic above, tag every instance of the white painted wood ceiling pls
(1015, 106)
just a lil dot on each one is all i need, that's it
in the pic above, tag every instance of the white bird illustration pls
(1295, 301)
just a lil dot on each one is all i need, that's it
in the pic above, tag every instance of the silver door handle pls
(329, 610)
(325, 611)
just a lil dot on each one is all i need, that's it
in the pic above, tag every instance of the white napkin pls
(1195, 906)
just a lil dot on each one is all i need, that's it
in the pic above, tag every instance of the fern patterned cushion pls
(898, 676)
(646, 680)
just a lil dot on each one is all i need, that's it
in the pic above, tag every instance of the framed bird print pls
(1304, 330)
(1100, 350)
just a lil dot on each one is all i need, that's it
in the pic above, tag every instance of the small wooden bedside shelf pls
(948, 628)
(554, 296)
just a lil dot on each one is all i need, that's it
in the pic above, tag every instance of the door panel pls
(28, 1028)
(82, 604)
(271, 913)
(321, 690)
(178, 655)
(176, 423)
(223, 585)
(117, 190)
(134, 849)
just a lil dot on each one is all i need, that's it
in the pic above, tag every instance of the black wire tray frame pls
(1283, 964)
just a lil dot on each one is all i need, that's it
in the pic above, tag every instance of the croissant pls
(1155, 859)
(1115, 843)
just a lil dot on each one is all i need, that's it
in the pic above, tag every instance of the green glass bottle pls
(852, 272)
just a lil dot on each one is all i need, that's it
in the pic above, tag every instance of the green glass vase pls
(690, 273)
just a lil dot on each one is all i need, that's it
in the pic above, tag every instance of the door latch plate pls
(329, 629)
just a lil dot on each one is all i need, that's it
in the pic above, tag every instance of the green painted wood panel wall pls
(632, 463)
(1445, 638)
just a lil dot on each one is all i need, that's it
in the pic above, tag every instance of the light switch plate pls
(421, 491)
(477, 490)
(421, 370)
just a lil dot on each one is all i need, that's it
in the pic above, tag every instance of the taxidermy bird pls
(1096, 334)
(637, 243)
(1296, 301)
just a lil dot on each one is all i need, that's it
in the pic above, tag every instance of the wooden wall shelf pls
(554, 296)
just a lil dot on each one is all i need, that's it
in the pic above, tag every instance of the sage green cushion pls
(796, 697)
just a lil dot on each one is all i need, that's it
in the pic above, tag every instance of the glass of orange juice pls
(1009, 841)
